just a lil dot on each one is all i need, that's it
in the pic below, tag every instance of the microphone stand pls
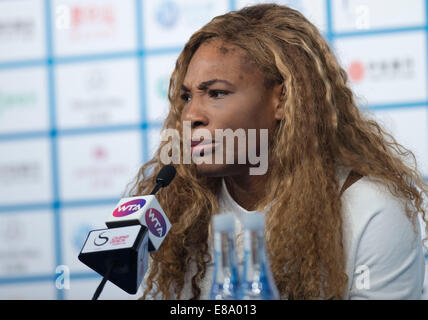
(103, 281)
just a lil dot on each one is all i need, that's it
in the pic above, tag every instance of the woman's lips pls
(202, 147)
(195, 142)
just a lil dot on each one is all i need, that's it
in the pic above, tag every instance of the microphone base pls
(126, 248)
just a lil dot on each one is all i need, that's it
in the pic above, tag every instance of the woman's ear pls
(279, 98)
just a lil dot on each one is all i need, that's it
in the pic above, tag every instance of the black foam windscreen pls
(165, 175)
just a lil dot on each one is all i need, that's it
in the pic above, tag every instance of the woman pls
(267, 67)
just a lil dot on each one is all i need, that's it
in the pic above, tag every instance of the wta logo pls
(129, 208)
(155, 222)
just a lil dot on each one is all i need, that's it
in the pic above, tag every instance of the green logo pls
(13, 100)
(162, 84)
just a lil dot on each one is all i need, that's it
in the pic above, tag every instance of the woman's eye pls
(217, 93)
(185, 97)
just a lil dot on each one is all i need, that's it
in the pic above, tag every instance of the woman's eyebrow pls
(184, 88)
(206, 84)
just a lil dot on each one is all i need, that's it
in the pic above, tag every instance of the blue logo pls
(167, 13)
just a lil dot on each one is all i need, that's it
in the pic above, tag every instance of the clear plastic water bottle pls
(226, 277)
(257, 282)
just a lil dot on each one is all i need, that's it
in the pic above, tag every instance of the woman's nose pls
(196, 114)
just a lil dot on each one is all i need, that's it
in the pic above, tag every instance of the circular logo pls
(167, 13)
(129, 207)
(356, 71)
(155, 222)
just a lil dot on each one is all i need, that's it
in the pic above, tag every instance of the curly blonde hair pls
(322, 128)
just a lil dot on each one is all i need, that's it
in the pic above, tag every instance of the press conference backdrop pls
(83, 91)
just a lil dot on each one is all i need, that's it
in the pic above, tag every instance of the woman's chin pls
(219, 170)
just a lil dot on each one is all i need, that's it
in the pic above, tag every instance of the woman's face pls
(223, 90)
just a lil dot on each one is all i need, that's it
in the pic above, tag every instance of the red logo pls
(118, 240)
(356, 71)
(92, 14)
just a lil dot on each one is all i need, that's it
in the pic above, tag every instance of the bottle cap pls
(253, 221)
(224, 222)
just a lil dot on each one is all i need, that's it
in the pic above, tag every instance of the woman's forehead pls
(218, 49)
(217, 57)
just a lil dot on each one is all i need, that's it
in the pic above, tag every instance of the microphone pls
(145, 211)
(138, 225)
(164, 177)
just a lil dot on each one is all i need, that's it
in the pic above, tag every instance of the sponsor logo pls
(129, 207)
(17, 30)
(19, 173)
(101, 240)
(356, 71)
(12, 230)
(19, 252)
(167, 14)
(86, 22)
(102, 172)
(83, 15)
(118, 240)
(96, 79)
(162, 84)
(97, 102)
(100, 153)
(15, 100)
(381, 70)
(155, 222)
